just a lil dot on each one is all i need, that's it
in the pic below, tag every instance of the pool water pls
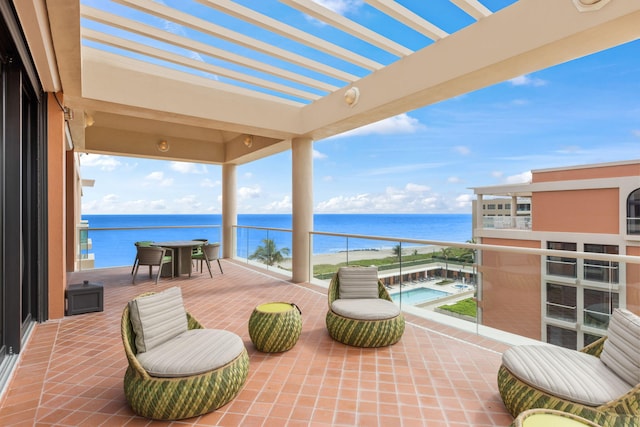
(418, 295)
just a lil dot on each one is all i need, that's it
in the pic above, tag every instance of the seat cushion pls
(621, 351)
(193, 352)
(365, 308)
(157, 318)
(358, 282)
(567, 374)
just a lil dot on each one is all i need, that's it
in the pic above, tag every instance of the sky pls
(424, 161)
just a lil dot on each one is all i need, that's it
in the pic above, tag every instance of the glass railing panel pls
(264, 247)
(633, 225)
(115, 247)
(420, 277)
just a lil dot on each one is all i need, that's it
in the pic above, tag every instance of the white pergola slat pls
(328, 16)
(199, 47)
(282, 29)
(408, 18)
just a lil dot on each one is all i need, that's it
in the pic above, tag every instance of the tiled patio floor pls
(72, 369)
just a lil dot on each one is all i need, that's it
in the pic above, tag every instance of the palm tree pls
(397, 250)
(269, 254)
(446, 253)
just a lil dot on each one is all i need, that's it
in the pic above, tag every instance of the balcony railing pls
(507, 222)
(633, 226)
(115, 247)
(497, 291)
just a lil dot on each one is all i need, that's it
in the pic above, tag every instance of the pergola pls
(225, 83)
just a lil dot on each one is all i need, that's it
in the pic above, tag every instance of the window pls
(633, 212)
(561, 302)
(491, 206)
(598, 306)
(507, 206)
(561, 266)
(524, 206)
(562, 337)
(499, 206)
(601, 271)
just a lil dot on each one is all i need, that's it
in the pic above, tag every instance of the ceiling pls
(204, 75)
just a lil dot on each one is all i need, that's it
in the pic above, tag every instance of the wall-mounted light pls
(88, 120)
(351, 96)
(163, 146)
(248, 141)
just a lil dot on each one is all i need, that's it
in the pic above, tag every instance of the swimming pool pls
(419, 295)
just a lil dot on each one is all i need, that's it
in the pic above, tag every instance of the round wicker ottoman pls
(275, 327)
(549, 418)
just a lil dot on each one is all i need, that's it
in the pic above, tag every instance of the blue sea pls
(113, 246)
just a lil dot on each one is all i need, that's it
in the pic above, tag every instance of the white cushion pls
(157, 318)
(621, 352)
(358, 282)
(193, 352)
(365, 308)
(567, 374)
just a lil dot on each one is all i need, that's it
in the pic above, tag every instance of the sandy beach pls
(356, 255)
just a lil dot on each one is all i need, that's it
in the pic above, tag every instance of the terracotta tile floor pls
(70, 373)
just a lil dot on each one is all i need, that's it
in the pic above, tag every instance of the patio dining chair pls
(153, 256)
(140, 243)
(210, 252)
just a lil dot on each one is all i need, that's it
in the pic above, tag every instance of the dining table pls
(182, 250)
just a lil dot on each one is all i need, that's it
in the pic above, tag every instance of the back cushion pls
(621, 352)
(358, 282)
(157, 318)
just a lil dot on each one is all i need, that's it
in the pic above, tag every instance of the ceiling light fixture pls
(351, 96)
(163, 146)
(88, 120)
(589, 5)
(248, 141)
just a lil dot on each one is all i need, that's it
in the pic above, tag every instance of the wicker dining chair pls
(209, 253)
(153, 256)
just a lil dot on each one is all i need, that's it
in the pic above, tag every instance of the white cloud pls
(155, 176)
(184, 167)
(402, 123)
(318, 155)
(340, 6)
(415, 188)
(454, 180)
(327, 178)
(464, 201)
(105, 163)
(209, 183)
(521, 178)
(249, 192)
(460, 149)
(401, 169)
(283, 206)
(412, 198)
(248, 175)
(526, 80)
(636, 132)
(497, 174)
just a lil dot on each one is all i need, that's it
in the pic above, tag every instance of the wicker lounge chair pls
(171, 396)
(622, 409)
(372, 321)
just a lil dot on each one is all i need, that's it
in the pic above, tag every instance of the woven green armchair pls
(519, 397)
(359, 332)
(163, 398)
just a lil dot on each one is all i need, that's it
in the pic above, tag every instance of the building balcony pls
(71, 371)
(507, 222)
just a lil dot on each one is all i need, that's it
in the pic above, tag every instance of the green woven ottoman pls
(275, 327)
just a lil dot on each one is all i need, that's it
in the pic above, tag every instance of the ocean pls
(112, 248)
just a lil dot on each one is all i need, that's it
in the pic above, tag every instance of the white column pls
(302, 207)
(478, 214)
(514, 211)
(229, 210)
